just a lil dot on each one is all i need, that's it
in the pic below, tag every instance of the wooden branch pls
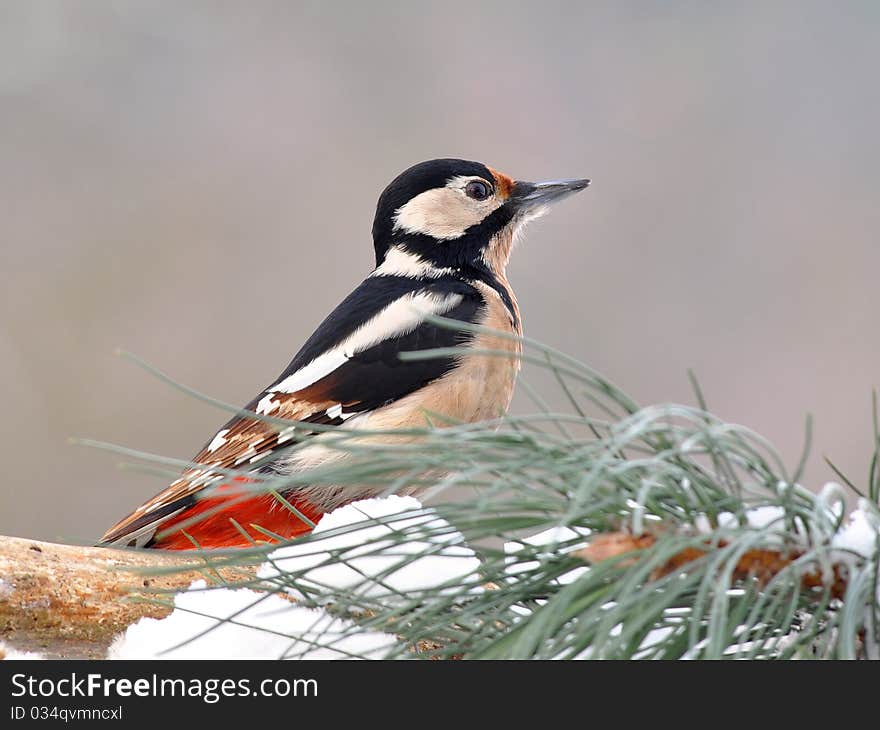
(67, 601)
(761, 564)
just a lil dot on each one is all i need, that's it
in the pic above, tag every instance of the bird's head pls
(457, 214)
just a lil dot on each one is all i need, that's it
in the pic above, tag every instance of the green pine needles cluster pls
(712, 548)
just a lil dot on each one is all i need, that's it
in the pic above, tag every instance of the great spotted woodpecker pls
(442, 234)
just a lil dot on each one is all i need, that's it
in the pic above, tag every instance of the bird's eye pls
(477, 189)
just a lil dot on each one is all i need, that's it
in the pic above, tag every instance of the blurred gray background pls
(195, 182)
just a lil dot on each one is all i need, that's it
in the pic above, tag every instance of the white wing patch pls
(286, 434)
(319, 367)
(336, 412)
(400, 317)
(218, 440)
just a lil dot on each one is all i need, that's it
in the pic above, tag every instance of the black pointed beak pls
(527, 195)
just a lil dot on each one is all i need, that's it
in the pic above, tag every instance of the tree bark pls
(66, 601)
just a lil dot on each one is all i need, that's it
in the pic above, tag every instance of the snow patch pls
(551, 539)
(759, 518)
(225, 623)
(415, 552)
(860, 532)
(371, 558)
(7, 652)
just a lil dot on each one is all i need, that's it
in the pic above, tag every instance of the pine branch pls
(663, 532)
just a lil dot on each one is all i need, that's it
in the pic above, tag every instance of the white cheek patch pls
(400, 317)
(443, 213)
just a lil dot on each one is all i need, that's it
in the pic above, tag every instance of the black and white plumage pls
(442, 235)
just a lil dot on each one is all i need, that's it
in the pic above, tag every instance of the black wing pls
(367, 379)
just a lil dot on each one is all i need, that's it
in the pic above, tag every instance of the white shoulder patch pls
(318, 368)
(399, 318)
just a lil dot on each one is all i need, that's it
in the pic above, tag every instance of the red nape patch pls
(208, 521)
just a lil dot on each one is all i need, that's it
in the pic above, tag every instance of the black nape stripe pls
(457, 253)
(484, 274)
